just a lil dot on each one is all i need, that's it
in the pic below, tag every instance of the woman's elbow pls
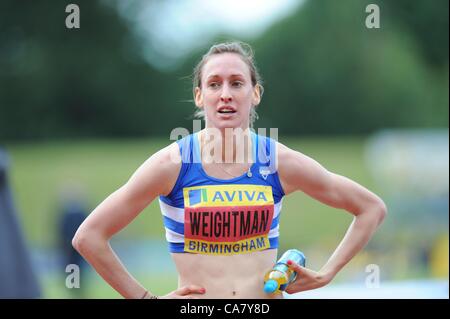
(380, 211)
(83, 240)
(79, 240)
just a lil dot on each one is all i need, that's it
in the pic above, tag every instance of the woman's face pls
(226, 93)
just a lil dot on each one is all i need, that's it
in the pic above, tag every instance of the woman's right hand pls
(186, 292)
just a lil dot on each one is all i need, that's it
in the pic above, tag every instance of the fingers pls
(296, 267)
(191, 289)
(307, 279)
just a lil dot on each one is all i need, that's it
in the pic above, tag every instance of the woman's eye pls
(237, 84)
(213, 85)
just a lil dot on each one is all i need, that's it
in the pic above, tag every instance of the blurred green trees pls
(327, 73)
(91, 81)
(324, 72)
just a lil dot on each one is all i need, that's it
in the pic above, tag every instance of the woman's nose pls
(225, 95)
(225, 99)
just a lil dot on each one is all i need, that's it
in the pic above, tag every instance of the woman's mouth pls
(226, 110)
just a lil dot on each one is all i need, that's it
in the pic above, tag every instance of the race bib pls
(227, 219)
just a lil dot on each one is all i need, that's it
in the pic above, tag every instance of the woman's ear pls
(198, 97)
(256, 95)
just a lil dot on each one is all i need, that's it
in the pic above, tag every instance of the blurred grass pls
(94, 287)
(39, 171)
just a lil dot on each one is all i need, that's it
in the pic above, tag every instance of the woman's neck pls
(229, 145)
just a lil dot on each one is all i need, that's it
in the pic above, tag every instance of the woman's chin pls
(228, 123)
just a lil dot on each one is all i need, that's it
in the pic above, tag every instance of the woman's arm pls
(153, 178)
(300, 172)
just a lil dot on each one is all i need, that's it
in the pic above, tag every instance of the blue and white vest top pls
(207, 215)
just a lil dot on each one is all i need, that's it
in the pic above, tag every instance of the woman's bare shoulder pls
(288, 157)
(297, 170)
(286, 154)
(160, 171)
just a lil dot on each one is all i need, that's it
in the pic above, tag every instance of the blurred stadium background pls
(81, 109)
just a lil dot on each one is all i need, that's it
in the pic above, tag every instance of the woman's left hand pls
(307, 279)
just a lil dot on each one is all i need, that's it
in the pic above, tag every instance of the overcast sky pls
(169, 29)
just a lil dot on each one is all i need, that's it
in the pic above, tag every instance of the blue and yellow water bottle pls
(280, 276)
